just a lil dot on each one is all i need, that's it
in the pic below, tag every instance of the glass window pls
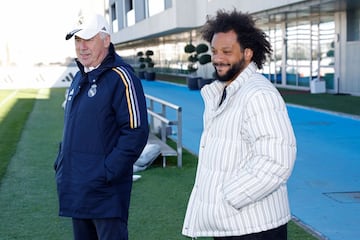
(113, 16)
(353, 24)
(130, 12)
(113, 12)
(310, 51)
(326, 61)
(272, 67)
(298, 64)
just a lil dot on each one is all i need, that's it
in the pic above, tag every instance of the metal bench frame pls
(161, 114)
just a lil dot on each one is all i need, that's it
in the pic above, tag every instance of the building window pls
(310, 52)
(130, 12)
(353, 24)
(114, 20)
(298, 62)
(272, 67)
(168, 4)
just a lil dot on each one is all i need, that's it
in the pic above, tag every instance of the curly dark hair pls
(248, 35)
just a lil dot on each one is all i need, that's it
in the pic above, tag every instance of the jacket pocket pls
(88, 168)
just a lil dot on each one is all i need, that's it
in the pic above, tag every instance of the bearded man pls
(247, 148)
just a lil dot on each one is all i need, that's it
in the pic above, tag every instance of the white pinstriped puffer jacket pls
(247, 153)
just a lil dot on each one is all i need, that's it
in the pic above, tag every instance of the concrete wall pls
(252, 6)
(186, 14)
(174, 19)
(350, 83)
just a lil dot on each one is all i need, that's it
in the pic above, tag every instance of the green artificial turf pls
(28, 200)
(333, 102)
(15, 107)
(27, 193)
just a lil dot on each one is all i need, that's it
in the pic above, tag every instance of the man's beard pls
(234, 70)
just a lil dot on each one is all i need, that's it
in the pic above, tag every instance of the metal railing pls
(157, 109)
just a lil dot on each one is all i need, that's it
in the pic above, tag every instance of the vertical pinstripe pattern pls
(247, 152)
(131, 97)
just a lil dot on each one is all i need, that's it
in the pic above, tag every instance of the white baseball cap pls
(88, 27)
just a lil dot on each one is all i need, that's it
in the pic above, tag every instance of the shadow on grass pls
(10, 130)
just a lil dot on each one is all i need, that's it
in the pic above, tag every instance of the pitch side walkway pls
(324, 188)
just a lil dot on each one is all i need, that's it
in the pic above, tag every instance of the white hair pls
(103, 35)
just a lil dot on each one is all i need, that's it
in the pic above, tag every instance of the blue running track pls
(324, 188)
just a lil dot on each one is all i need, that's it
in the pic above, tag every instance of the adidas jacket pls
(105, 131)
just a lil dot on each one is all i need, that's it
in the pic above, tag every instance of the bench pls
(165, 150)
(157, 111)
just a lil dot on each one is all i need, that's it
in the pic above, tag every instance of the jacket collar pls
(240, 80)
(214, 91)
(110, 61)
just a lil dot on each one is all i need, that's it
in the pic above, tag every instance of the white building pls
(311, 39)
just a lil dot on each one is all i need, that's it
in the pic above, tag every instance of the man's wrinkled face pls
(91, 52)
(228, 57)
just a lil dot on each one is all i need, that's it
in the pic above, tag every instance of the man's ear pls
(248, 54)
(107, 41)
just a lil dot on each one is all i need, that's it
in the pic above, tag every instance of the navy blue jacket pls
(105, 131)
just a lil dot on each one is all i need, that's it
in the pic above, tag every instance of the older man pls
(105, 131)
